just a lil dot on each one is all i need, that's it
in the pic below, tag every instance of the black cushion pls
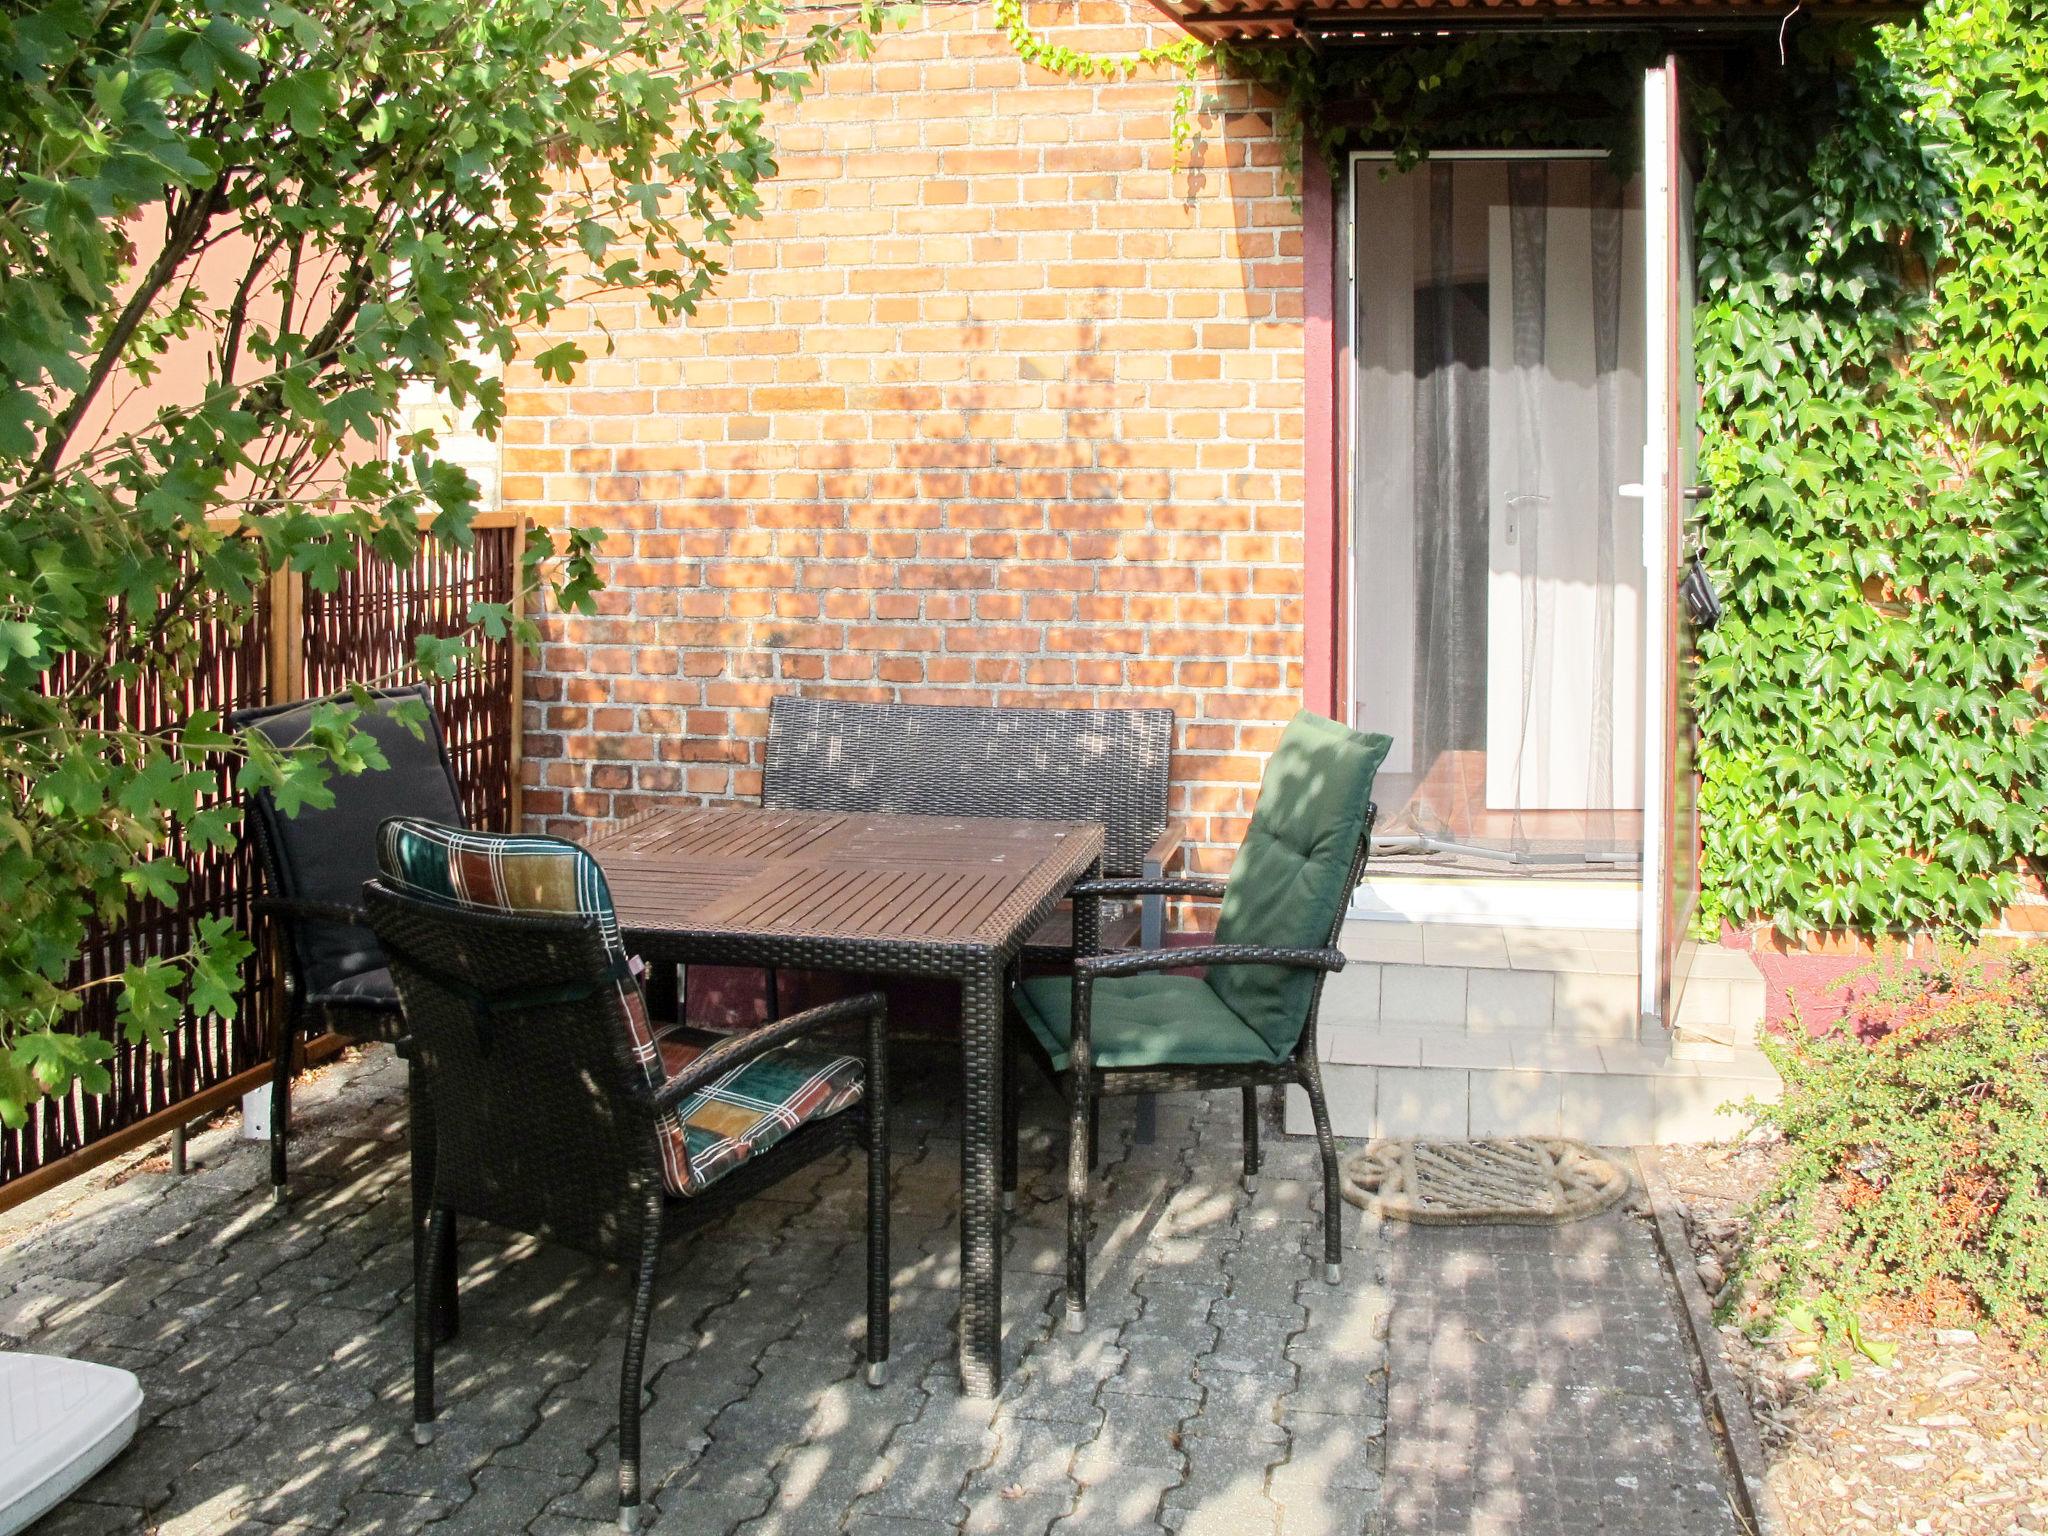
(327, 855)
(365, 989)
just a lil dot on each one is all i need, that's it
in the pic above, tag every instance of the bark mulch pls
(1950, 1438)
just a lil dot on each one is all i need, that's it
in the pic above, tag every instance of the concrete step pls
(1451, 1083)
(1456, 1030)
(1570, 981)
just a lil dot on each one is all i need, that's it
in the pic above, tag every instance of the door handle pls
(1516, 500)
(1698, 493)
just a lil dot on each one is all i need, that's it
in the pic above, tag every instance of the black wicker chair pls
(559, 1113)
(315, 864)
(1125, 1024)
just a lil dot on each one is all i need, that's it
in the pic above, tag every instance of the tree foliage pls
(231, 232)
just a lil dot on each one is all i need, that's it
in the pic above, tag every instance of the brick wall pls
(996, 405)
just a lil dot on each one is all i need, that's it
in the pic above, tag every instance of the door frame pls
(1667, 949)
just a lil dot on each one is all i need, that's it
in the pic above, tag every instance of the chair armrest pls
(298, 909)
(1136, 962)
(755, 1043)
(1171, 885)
(1162, 853)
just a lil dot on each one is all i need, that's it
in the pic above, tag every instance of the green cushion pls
(1293, 870)
(1141, 1021)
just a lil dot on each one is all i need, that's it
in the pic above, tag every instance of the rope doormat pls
(1522, 1180)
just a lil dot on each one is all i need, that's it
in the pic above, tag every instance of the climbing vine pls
(1184, 56)
(1872, 337)
(1873, 348)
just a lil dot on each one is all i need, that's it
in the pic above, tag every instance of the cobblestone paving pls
(1220, 1388)
(1542, 1387)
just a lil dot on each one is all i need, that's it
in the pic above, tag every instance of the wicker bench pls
(1110, 766)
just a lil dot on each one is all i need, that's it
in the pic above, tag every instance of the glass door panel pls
(1498, 581)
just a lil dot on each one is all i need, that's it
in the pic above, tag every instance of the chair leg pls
(1013, 1096)
(1080, 1155)
(447, 1308)
(429, 1248)
(281, 1103)
(1333, 1202)
(878, 1234)
(1094, 1134)
(1145, 1131)
(1251, 1140)
(420, 1119)
(630, 1367)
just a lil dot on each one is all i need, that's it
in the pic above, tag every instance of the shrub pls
(1918, 1170)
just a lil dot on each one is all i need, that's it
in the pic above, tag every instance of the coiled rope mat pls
(1521, 1180)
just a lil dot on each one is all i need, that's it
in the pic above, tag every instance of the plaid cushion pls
(750, 1108)
(710, 1132)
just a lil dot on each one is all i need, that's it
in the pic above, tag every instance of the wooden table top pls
(933, 882)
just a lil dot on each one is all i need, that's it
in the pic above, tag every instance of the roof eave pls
(1378, 21)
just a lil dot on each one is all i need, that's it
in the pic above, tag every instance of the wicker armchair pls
(1125, 1024)
(559, 1111)
(314, 867)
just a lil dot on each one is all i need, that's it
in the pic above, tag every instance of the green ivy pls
(1873, 349)
(1875, 440)
(1184, 56)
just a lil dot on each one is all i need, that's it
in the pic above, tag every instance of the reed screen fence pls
(298, 644)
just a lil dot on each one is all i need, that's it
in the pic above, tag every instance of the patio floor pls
(1539, 1381)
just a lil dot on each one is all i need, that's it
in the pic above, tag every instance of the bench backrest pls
(1104, 765)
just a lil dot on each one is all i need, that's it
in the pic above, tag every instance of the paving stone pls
(1220, 1386)
(1531, 1367)
(1127, 1506)
(368, 1513)
(81, 1518)
(506, 1499)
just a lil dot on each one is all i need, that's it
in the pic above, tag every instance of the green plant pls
(231, 232)
(1183, 56)
(1873, 344)
(1916, 1141)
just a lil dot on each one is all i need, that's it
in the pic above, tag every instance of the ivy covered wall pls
(1874, 355)
(1873, 347)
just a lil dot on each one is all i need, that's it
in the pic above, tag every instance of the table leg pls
(981, 1213)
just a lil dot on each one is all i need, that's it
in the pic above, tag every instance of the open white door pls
(1671, 834)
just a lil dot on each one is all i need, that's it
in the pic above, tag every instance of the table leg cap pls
(1077, 1319)
(1333, 1274)
(423, 1434)
(878, 1373)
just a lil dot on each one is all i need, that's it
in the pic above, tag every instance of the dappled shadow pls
(1542, 1383)
(1220, 1386)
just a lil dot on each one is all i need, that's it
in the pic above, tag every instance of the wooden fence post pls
(286, 682)
(517, 789)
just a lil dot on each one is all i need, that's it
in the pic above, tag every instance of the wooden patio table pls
(951, 897)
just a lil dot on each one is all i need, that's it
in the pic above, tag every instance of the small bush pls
(1917, 1133)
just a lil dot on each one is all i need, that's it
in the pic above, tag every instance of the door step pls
(1575, 981)
(1453, 1031)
